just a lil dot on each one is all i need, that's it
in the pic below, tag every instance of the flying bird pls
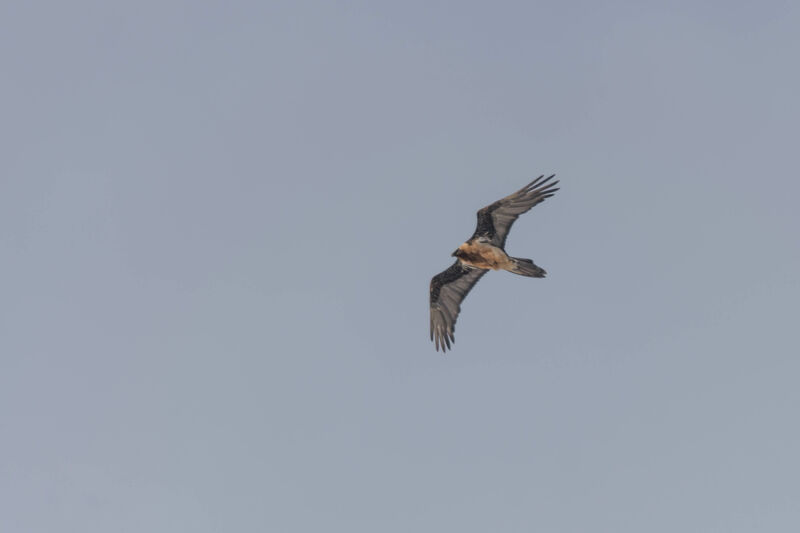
(482, 252)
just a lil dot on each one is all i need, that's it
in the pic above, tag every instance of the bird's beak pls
(454, 254)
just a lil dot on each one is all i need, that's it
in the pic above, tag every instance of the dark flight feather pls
(495, 220)
(448, 290)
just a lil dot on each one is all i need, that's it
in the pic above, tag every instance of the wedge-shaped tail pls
(526, 267)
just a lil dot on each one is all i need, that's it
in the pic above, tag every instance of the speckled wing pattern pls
(495, 220)
(448, 290)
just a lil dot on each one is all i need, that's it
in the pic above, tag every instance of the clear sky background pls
(218, 222)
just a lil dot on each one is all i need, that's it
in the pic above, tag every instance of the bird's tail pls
(525, 267)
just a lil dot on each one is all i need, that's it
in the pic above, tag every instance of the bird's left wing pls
(495, 220)
(448, 290)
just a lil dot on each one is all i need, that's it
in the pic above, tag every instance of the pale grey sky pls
(219, 221)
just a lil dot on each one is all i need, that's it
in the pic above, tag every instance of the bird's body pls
(480, 254)
(484, 251)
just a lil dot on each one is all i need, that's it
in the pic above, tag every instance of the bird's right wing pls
(448, 290)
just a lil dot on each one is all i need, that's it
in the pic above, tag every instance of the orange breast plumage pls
(485, 256)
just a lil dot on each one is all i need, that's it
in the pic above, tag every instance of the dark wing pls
(494, 221)
(448, 290)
